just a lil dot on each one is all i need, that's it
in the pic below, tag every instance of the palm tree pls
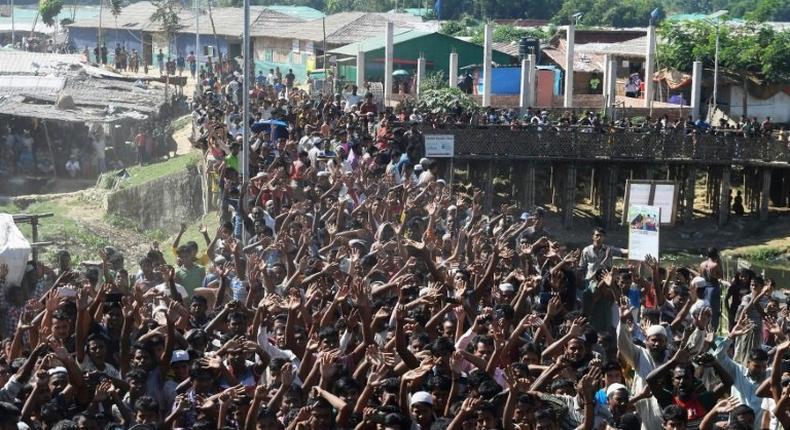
(115, 10)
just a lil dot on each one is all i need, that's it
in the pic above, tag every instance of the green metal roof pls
(417, 11)
(696, 17)
(375, 43)
(304, 12)
(378, 42)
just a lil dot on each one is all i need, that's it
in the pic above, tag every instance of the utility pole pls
(718, 14)
(13, 31)
(197, 37)
(245, 155)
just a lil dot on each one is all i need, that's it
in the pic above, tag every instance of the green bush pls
(446, 100)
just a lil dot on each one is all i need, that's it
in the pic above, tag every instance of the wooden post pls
(724, 195)
(552, 185)
(528, 199)
(592, 186)
(609, 196)
(488, 197)
(765, 193)
(785, 201)
(34, 234)
(688, 193)
(709, 188)
(569, 196)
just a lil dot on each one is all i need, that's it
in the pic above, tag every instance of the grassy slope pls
(149, 172)
(62, 229)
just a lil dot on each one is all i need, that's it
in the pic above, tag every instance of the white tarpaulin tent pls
(14, 249)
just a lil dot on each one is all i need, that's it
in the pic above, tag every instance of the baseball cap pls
(178, 356)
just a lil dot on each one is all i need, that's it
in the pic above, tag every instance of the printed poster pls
(643, 231)
(439, 145)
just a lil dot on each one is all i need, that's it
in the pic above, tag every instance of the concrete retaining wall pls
(162, 203)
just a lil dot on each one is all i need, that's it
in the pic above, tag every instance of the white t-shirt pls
(109, 370)
(768, 407)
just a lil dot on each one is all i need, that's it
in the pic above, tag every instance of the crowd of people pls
(594, 122)
(348, 286)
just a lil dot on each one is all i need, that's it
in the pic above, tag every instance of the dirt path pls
(181, 137)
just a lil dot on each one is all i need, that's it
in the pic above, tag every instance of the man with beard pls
(685, 390)
(643, 360)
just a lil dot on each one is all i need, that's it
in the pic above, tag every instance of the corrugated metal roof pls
(271, 23)
(589, 57)
(377, 42)
(31, 83)
(15, 84)
(135, 17)
(21, 62)
(582, 61)
(227, 20)
(510, 48)
(350, 27)
(302, 12)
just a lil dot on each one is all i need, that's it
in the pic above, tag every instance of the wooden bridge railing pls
(501, 142)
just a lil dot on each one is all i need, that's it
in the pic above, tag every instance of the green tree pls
(166, 15)
(49, 10)
(749, 49)
(623, 13)
(770, 10)
(509, 33)
(446, 100)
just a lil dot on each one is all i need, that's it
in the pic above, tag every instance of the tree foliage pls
(509, 33)
(49, 10)
(446, 100)
(166, 15)
(622, 13)
(115, 7)
(751, 48)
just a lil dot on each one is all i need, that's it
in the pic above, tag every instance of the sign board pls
(643, 231)
(309, 47)
(663, 194)
(439, 145)
(295, 45)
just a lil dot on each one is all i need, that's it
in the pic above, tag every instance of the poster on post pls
(643, 231)
(439, 145)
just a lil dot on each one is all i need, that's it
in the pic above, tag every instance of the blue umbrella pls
(260, 126)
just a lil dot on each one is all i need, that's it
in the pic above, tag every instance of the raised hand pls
(682, 355)
(703, 318)
(554, 306)
(287, 374)
(652, 262)
(515, 383)
(470, 405)
(578, 326)
(742, 327)
(727, 405)
(420, 371)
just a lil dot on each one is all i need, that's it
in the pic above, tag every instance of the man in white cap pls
(616, 406)
(643, 360)
(421, 410)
